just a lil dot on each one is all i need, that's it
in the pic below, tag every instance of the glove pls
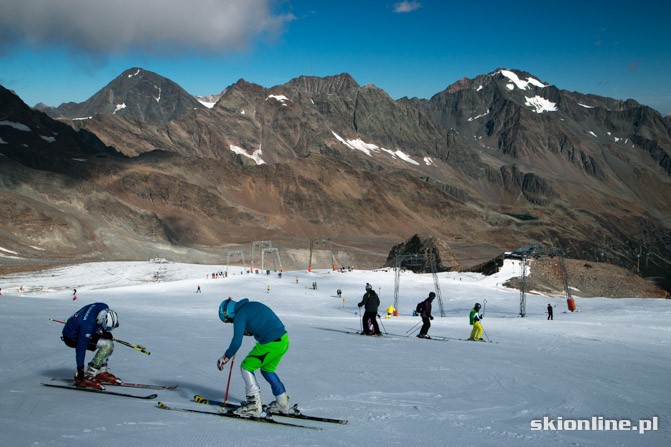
(221, 362)
(107, 335)
(430, 318)
(79, 375)
(359, 305)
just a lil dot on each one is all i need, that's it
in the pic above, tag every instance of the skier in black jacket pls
(371, 302)
(426, 316)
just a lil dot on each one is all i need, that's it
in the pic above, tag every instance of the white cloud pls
(406, 6)
(156, 25)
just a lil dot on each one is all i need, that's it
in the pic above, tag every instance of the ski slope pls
(610, 359)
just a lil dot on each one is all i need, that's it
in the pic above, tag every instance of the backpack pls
(420, 308)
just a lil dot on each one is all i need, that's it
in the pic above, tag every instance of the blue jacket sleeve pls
(82, 344)
(87, 327)
(238, 332)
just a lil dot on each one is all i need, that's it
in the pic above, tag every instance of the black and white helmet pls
(368, 287)
(477, 306)
(107, 319)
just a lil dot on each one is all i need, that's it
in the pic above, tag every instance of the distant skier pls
(370, 302)
(198, 289)
(426, 316)
(550, 314)
(74, 294)
(474, 319)
(90, 329)
(257, 319)
(339, 292)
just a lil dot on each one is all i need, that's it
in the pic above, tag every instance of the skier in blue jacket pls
(90, 329)
(258, 320)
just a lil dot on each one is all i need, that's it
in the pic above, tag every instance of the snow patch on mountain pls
(256, 155)
(521, 84)
(540, 104)
(479, 116)
(17, 126)
(280, 98)
(119, 107)
(368, 148)
(357, 144)
(209, 105)
(402, 155)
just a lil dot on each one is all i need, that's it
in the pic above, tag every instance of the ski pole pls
(142, 349)
(383, 328)
(412, 328)
(484, 307)
(229, 382)
(485, 332)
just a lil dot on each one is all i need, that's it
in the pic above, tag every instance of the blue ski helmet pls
(227, 310)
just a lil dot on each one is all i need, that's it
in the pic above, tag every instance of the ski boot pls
(280, 405)
(101, 374)
(87, 381)
(251, 408)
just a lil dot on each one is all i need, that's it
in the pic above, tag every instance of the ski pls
(455, 339)
(432, 338)
(100, 390)
(296, 413)
(481, 340)
(267, 420)
(126, 384)
(361, 333)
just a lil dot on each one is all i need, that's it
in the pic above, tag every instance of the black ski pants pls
(425, 327)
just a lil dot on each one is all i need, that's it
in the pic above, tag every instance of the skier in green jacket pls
(474, 319)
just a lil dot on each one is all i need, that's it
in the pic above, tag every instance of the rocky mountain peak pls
(338, 84)
(135, 94)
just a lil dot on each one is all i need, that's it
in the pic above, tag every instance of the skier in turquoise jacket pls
(258, 320)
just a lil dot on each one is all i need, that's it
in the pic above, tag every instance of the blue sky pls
(55, 52)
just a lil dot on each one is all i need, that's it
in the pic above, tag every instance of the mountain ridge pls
(499, 145)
